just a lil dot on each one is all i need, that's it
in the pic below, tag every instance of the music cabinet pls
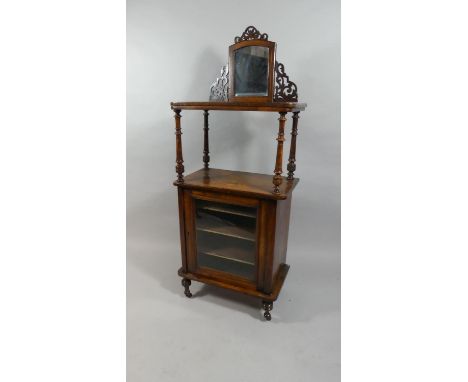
(234, 225)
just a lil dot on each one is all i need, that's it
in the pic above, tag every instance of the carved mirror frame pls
(280, 87)
(271, 70)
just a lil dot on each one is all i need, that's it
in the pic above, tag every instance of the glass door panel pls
(226, 238)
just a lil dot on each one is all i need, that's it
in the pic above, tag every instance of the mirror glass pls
(251, 71)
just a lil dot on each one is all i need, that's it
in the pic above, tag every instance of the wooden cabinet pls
(234, 225)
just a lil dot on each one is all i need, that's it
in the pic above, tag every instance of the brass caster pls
(268, 306)
(186, 284)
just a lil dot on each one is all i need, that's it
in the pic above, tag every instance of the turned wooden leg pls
(268, 306)
(179, 158)
(186, 284)
(206, 146)
(277, 179)
(292, 148)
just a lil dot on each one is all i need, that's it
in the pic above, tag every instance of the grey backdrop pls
(175, 50)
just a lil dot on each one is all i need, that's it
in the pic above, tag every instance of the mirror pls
(251, 71)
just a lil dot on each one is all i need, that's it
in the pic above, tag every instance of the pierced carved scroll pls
(219, 90)
(285, 90)
(251, 33)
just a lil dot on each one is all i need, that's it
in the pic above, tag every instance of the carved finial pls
(285, 90)
(219, 89)
(251, 33)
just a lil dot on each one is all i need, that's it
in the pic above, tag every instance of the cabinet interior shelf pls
(226, 230)
(229, 256)
(231, 211)
(226, 264)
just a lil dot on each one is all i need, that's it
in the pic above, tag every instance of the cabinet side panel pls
(190, 241)
(283, 212)
(183, 246)
(267, 226)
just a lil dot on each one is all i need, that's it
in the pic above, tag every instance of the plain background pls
(404, 204)
(175, 51)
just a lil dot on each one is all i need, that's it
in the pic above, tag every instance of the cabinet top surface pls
(237, 182)
(240, 106)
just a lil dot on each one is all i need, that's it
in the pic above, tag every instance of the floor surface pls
(219, 335)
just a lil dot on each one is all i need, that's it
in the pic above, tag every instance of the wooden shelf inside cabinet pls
(234, 224)
(244, 271)
(231, 254)
(231, 211)
(226, 247)
(226, 230)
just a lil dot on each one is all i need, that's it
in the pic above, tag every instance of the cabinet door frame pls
(190, 198)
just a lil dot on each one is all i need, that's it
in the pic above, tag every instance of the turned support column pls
(277, 179)
(292, 148)
(179, 159)
(206, 147)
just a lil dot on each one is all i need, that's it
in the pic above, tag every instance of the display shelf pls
(230, 266)
(220, 228)
(240, 106)
(237, 182)
(245, 212)
(243, 252)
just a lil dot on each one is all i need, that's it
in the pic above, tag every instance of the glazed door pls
(224, 237)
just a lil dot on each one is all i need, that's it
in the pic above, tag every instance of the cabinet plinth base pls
(251, 291)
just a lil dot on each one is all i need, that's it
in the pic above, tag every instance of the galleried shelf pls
(233, 224)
